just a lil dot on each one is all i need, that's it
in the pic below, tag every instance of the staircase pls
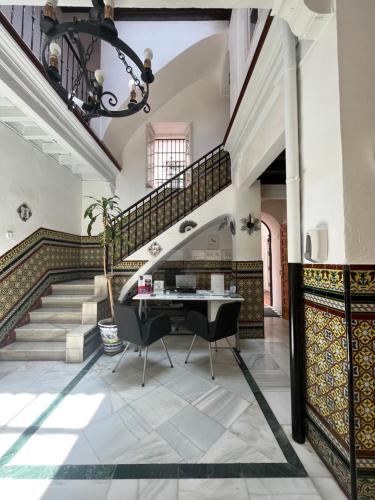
(171, 202)
(202, 191)
(44, 338)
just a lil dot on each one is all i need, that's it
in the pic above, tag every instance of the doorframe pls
(269, 250)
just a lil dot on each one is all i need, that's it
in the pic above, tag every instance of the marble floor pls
(60, 424)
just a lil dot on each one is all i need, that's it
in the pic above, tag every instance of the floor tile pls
(252, 427)
(123, 489)
(222, 406)
(152, 449)
(158, 489)
(197, 427)
(190, 386)
(53, 490)
(159, 406)
(280, 405)
(109, 438)
(212, 489)
(328, 489)
(280, 486)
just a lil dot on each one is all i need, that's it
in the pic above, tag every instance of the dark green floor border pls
(293, 467)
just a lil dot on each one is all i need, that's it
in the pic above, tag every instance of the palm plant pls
(106, 210)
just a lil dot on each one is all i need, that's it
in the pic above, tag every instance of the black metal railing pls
(26, 22)
(167, 204)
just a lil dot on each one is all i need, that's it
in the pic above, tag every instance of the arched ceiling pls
(205, 58)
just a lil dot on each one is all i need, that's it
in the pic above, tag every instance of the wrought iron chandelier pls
(100, 26)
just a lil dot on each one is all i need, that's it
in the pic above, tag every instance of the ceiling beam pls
(125, 14)
(53, 148)
(153, 4)
(12, 114)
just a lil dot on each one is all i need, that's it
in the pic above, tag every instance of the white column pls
(292, 146)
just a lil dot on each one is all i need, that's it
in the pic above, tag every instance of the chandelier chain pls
(77, 81)
(129, 70)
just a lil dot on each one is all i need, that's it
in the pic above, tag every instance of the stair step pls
(33, 351)
(77, 287)
(43, 332)
(57, 315)
(65, 300)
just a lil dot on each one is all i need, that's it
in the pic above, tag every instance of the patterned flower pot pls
(111, 343)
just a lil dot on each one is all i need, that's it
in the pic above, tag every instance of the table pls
(213, 302)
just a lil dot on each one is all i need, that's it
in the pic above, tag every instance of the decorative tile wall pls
(339, 337)
(362, 293)
(248, 278)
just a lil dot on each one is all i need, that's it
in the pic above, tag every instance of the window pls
(167, 154)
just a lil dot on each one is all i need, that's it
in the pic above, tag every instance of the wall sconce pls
(250, 224)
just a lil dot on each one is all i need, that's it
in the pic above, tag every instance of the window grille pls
(166, 158)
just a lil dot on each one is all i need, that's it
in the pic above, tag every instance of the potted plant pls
(106, 210)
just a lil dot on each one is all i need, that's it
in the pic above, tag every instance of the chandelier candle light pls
(99, 26)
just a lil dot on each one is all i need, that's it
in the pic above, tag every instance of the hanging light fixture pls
(99, 26)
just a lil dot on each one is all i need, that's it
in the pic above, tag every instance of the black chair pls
(225, 325)
(142, 333)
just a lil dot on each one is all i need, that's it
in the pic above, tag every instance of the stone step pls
(77, 287)
(65, 300)
(56, 315)
(43, 332)
(33, 351)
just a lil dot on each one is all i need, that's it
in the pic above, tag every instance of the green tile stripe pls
(33, 428)
(292, 468)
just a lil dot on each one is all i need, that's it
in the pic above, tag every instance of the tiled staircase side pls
(64, 327)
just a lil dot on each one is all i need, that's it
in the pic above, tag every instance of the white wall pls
(167, 39)
(240, 56)
(356, 41)
(320, 143)
(247, 200)
(200, 242)
(27, 176)
(200, 104)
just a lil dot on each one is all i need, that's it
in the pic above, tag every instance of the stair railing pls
(172, 201)
(25, 20)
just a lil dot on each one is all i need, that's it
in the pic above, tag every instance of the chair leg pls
(226, 338)
(122, 355)
(140, 352)
(191, 347)
(211, 363)
(166, 350)
(215, 346)
(144, 367)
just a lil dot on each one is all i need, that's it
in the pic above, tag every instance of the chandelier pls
(99, 26)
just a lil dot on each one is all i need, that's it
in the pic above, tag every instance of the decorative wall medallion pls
(232, 226)
(187, 226)
(250, 224)
(155, 249)
(24, 211)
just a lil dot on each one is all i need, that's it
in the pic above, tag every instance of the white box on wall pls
(213, 254)
(198, 255)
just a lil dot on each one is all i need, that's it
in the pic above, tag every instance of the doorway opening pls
(267, 264)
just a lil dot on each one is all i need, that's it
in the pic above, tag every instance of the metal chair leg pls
(191, 347)
(226, 338)
(140, 352)
(144, 367)
(211, 363)
(122, 355)
(215, 346)
(166, 350)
